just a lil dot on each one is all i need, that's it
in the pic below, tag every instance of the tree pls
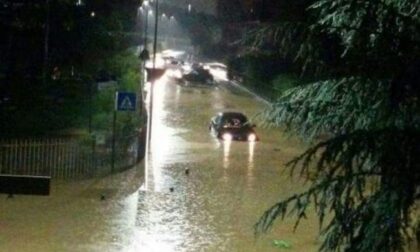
(366, 106)
(79, 45)
(231, 11)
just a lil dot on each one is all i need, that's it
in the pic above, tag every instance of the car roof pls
(216, 64)
(231, 114)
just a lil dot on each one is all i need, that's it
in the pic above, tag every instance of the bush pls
(284, 82)
(267, 75)
(125, 66)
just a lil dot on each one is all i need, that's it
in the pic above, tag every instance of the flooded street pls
(201, 194)
(209, 126)
(197, 194)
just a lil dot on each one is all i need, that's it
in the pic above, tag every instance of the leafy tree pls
(79, 45)
(231, 11)
(365, 172)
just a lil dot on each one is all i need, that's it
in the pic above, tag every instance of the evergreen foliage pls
(365, 174)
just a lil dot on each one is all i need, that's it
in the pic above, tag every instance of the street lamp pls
(165, 28)
(146, 21)
(172, 30)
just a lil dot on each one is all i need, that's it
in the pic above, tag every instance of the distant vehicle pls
(216, 65)
(172, 61)
(197, 75)
(229, 126)
(218, 70)
(174, 67)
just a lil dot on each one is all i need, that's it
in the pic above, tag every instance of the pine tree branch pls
(280, 209)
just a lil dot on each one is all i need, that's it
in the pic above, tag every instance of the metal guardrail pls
(68, 158)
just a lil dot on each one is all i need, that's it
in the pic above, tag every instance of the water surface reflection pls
(204, 194)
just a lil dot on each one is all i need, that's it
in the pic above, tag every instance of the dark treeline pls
(51, 53)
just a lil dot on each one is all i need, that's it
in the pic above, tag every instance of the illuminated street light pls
(92, 14)
(145, 8)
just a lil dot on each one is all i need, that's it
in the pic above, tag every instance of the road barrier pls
(67, 158)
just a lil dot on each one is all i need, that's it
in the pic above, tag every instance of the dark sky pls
(207, 6)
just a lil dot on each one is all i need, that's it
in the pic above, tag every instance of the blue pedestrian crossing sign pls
(125, 101)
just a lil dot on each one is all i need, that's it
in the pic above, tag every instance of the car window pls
(218, 119)
(234, 121)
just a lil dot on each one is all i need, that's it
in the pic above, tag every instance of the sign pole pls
(124, 101)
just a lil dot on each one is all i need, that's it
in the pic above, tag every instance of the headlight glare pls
(252, 137)
(227, 137)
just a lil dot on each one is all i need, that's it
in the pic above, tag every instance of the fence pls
(66, 158)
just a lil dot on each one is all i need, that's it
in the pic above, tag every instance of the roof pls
(231, 114)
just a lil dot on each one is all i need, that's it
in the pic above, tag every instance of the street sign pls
(125, 101)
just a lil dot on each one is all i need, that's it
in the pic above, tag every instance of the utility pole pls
(146, 25)
(155, 35)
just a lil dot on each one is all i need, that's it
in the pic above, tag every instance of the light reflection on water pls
(250, 170)
(226, 151)
(160, 133)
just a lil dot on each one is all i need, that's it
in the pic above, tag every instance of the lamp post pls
(164, 29)
(172, 30)
(146, 25)
(146, 22)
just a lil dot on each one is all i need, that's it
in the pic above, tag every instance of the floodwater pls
(212, 208)
(228, 186)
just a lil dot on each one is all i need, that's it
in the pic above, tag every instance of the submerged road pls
(212, 208)
(228, 186)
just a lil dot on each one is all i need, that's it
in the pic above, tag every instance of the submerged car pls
(197, 75)
(229, 126)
